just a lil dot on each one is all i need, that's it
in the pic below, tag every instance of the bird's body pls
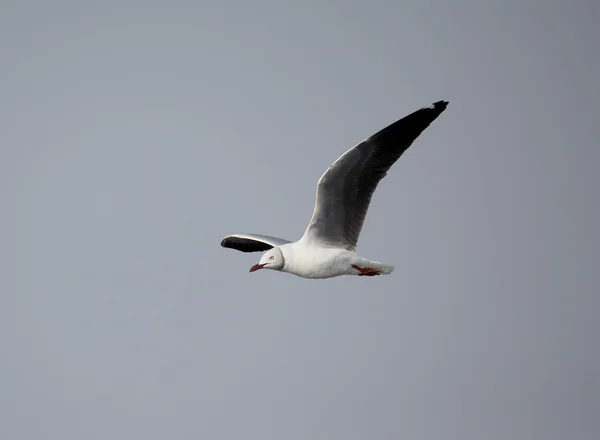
(313, 261)
(344, 191)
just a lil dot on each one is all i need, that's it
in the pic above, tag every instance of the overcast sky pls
(135, 135)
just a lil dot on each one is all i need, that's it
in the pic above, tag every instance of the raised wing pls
(251, 242)
(344, 191)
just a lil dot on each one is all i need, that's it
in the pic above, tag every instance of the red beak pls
(257, 266)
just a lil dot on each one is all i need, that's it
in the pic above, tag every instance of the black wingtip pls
(405, 130)
(440, 105)
(245, 244)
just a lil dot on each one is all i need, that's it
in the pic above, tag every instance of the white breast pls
(316, 262)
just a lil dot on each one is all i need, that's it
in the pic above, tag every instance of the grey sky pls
(135, 135)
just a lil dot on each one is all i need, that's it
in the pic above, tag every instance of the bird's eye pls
(271, 257)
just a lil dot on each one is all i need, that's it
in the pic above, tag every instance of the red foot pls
(365, 271)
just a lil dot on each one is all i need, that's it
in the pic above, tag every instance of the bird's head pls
(272, 259)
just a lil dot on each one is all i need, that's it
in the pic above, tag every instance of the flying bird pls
(344, 191)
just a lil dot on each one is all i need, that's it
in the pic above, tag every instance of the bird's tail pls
(385, 269)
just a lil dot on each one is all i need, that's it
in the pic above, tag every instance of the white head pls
(272, 259)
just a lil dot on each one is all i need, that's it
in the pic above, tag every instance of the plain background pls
(135, 135)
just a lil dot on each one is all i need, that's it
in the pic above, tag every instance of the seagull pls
(328, 247)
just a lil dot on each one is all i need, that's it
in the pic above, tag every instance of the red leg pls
(365, 271)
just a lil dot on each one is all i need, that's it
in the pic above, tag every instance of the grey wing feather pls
(344, 191)
(251, 242)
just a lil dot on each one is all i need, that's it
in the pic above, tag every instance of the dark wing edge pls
(408, 128)
(370, 160)
(251, 242)
(387, 146)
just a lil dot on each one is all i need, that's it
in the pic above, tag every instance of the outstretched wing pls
(251, 242)
(344, 191)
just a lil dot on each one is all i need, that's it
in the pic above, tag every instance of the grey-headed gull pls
(344, 191)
